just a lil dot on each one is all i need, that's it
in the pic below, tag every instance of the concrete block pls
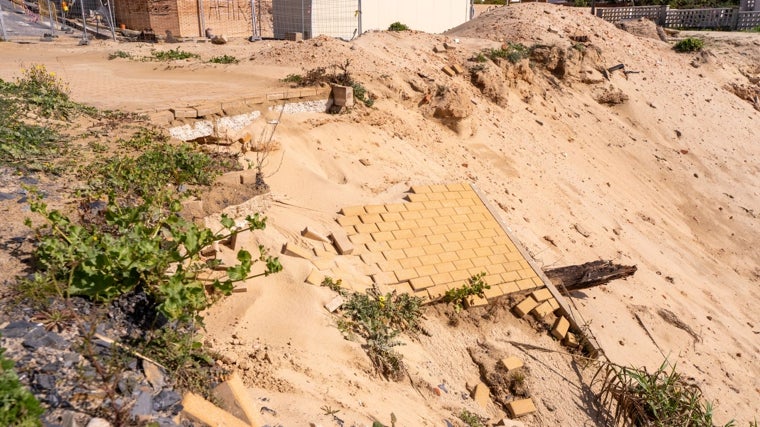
(560, 328)
(518, 408)
(448, 71)
(439, 48)
(458, 69)
(511, 363)
(296, 251)
(541, 295)
(184, 112)
(542, 310)
(334, 304)
(208, 109)
(481, 395)
(341, 243)
(315, 278)
(343, 96)
(525, 307)
(571, 340)
(161, 117)
(313, 235)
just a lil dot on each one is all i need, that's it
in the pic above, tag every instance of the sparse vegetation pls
(689, 44)
(18, 406)
(175, 54)
(458, 297)
(472, 420)
(224, 59)
(339, 76)
(479, 57)
(397, 26)
(513, 52)
(120, 54)
(294, 78)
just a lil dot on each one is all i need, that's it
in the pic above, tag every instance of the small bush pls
(224, 59)
(397, 26)
(474, 287)
(479, 57)
(120, 54)
(18, 406)
(175, 54)
(294, 78)
(514, 53)
(689, 44)
(472, 420)
(360, 93)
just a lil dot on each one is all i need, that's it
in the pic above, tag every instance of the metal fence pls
(51, 18)
(718, 18)
(310, 18)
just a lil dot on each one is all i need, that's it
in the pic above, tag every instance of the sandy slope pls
(667, 181)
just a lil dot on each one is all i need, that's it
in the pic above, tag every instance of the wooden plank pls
(206, 412)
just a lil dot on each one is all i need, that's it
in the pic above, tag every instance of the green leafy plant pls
(663, 397)
(397, 26)
(144, 138)
(42, 92)
(513, 52)
(335, 285)
(361, 93)
(479, 57)
(293, 78)
(25, 144)
(689, 44)
(472, 420)
(755, 30)
(175, 54)
(458, 297)
(379, 319)
(224, 59)
(147, 246)
(119, 54)
(18, 406)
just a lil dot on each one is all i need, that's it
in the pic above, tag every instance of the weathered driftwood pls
(587, 275)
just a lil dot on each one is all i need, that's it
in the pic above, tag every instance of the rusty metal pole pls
(2, 25)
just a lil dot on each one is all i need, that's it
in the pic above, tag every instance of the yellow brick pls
(510, 276)
(315, 278)
(518, 408)
(446, 211)
(421, 232)
(426, 270)
(466, 253)
(445, 267)
(525, 306)
(406, 274)
(443, 220)
(542, 310)
(462, 210)
(420, 283)
(463, 264)
(372, 258)
(436, 239)
(394, 254)
(525, 284)
(494, 292)
(537, 281)
(459, 275)
(514, 257)
(458, 187)
(428, 213)
(366, 228)
(382, 236)
(480, 261)
(560, 328)
(395, 207)
(510, 287)
(433, 204)
(430, 259)
(511, 363)
(471, 235)
(389, 265)
(476, 301)
(387, 226)
(371, 218)
(375, 209)
(436, 196)
(414, 251)
(451, 195)
(513, 266)
(467, 202)
(385, 278)
(527, 274)
(353, 210)
(554, 304)
(349, 220)
(458, 227)
(437, 291)
(426, 222)
(448, 203)
(407, 224)
(492, 279)
(391, 216)
(481, 395)
(402, 234)
(433, 249)
(541, 295)
(469, 244)
(398, 244)
(460, 218)
(296, 251)
(496, 268)
(415, 206)
(410, 262)
(488, 232)
(404, 288)
(451, 247)
(438, 188)
(417, 197)
(441, 278)
(411, 215)
(446, 256)
(571, 340)
(378, 246)
(474, 226)
(524, 264)
(419, 189)
(483, 251)
(500, 249)
(497, 258)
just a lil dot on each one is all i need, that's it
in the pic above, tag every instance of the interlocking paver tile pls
(451, 246)
(510, 287)
(488, 232)
(410, 262)
(426, 270)
(402, 233)
(426, 222)
(462, 210)
(420, 189)
(414, 251)
(469, 235)
(437, 291)
(494, 292)
(433, 204)
(399, 244)
(411, 215)
(415, 206)
(372, 258)
(417, 197)
(353, 210)
(436, 196)
(466, 253)
(382, 236)
(370, 218)
(385, 278)
(446, 211)
(525, 284)
(387, 226)
(348, 220)
(496, 268)
(428, 213)
(421, 232)
(430, 259)
(440, 230)
(394, 254)
(390, 216)
(501, 249)
(460, 275)
(483, 251)
(406, 274)
(444, 220)
(377, 246)
(375, 209)
(407, 224)
(449, 203)
(433, 249)
(445, 267)
(421, 283)
(447, 256)
(366, 228)
(392, 265)
(510, 276)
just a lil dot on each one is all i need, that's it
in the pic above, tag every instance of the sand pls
(667, 180)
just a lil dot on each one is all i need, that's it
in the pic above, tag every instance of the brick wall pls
(133, 14)
(228, 17)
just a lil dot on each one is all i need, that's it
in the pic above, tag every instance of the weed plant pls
(397, 26)
(472, 420)
(689, 44)
(25, 144)
(224, 59)
(120, 54)
(175, 54)
(18, 406)
(458, 297)
(514, 53)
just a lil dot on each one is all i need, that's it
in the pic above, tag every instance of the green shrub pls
(18, 406)
(397, 26)
(40, 91)
(175, 54)
(224, 59)
(689, 44)
(479, 57)
(472, 420)
(294, 78)
(360, 93)
(120, 54)
(22, 143)
(474, 287)
(514, 52)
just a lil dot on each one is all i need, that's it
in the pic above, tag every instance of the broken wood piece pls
(202, 410)
(588, 275)
(243, 398)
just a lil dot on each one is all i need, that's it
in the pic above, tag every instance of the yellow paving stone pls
(420, 189)
(525, 264)
(444, 220)
(481, 261)
(430, 259)
(446, 211)
(406, 274)
(433, 204)
(537, 281)
(483, 251)
(476, 301)
(451, 195)
(493, 292)
(457, 227)
(492, 279)
(462, 210)
(375, 209)
(371, 218)
(394, 254)
(436, 196)
(497, 258)
(420, 283)
(510, 276)
(463, 263)
(439, 229)
(399, 244)
(474, 226)
(469, 235)
(510, 287)
(467, 194)
(403, 233)
(353, 210)
(414, 251)
(391, 216)
(385, 278)
(323, 263)
(411, 215)
(396, 207)
(514, 256)
(554, 304)
(458, 187)
(415, 206)
(454, 236)
(348, 220)
(466, 253)
(469, 244)
(513, 266)
(445, 267)
(438, 188)
(418, 241)
(417, 197)
(460, 275)
(426, 270)
(410, 262)
(428, 213)
(466, 202)
(459, 218)
(542, 310)
(436, 239)
(526, 274)
(366, 228)
(476, 217)
(525, 306)
(404, 288)
(437, 291)
(389, 265)
(448, 203)
(451, 246)
(382, 236)
(496, 268)
(372, 258)
(387, 226)
(368, 269)
(407, 224)
(350, 229)
(439, 278)
(433, 249)
(488, 232)
(378, 246)
(500, 249)
(447, 256)
(541, 295)
(315, 278)
(525, 284)
(426, 222)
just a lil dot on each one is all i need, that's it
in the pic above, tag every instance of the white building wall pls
(431, 16)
